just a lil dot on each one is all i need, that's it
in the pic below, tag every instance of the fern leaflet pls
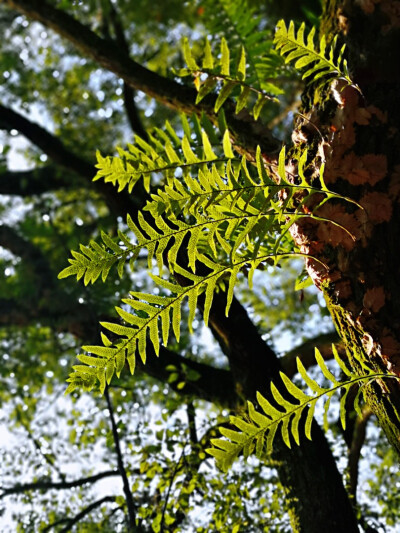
(216, 74)
(256, 432)
(242, 28)
(164, 153)
(319, 63)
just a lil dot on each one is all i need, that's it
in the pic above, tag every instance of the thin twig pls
(77, 518)
(171, 482)
(121, 467)
(128, 92)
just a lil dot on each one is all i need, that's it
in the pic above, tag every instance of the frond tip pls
(319, 62)
(257, 431)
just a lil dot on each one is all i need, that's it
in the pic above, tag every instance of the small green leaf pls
(223, 94)
(187, 53)
(208, 60)
(225, 58)
(227, 146)
(261, 101)
(241, 69)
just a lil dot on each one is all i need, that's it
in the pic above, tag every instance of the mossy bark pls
(354, 130)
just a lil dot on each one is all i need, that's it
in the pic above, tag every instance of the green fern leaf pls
(225, 58)
(259, 431)
(319, 63)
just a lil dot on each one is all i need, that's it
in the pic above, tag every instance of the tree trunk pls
(356, 132)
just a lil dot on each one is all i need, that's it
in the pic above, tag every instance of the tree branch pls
(191, 414)
(119, 202)
(121, 468)
(306, 352)
(214, 385)
(304, 469)
(77, 518)
(59, 485)
(171, 482)
(49, 458)
(128, 93)
(247, 132)
(28, 252)
(37, 181)
(48, 143)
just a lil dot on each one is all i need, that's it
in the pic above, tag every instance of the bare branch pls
(76, 519)
(191, 414)
(28, 252)
(59, 485)
(173, 474)
(213, 384)
(48, 143)
(128, 92)
(121, 468)
(119, 202)
(48, 457)
(37, 181)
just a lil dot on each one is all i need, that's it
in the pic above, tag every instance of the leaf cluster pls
(211, 218)
(216, 74)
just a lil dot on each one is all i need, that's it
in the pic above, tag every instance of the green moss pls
(382, 397)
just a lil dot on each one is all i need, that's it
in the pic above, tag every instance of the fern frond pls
(242, 28)
(228, 206)
(291, 417)
(228, 217)
(163, 153)
(149, 311)
(319, 62)
(95, 260)
(216, 74)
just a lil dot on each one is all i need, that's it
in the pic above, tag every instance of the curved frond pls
(217, 74)
(147, 312)
(163, 153)
(291, 417)
(229, 207)
(316, 63)
(231, 218)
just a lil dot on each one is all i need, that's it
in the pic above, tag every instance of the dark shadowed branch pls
(121, 467)
(58, 485)
(37, 181)
(28, 252)
(120, 203)
(128, 92)
(306, 352)
(247, 133)
(77, 518)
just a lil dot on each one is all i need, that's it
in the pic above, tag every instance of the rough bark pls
(358, 137)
